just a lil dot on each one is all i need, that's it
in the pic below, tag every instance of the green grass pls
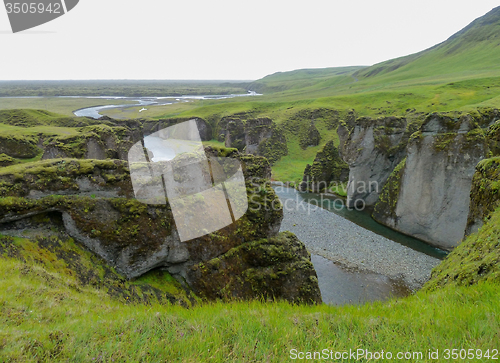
(61, 303)
(62, 106)
(213, 143)
(43, 321)
(152, 112)
(37, 130)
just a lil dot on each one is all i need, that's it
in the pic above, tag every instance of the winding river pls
(94, 111)
(356, 259)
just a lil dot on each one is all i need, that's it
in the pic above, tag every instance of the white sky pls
(226, 39)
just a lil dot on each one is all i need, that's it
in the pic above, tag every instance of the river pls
(94, 111)
(356, 259)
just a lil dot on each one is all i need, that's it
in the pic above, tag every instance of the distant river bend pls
(94, 111)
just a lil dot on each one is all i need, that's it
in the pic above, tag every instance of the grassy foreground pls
(40, 322)
(48, 312)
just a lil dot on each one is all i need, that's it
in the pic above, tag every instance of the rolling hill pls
(461, 71)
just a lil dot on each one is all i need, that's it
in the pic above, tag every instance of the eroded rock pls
(255, 136)
(327, 167)
(427, 196)
(95, 200)
(372, 149)
(277, 266)
(484, 194)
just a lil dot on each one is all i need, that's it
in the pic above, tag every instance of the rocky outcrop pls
(484, 194)
(327, 167)
(19, 147)
(204, 127)
(256, 136)
(95, 201)
(372, 149)
(427, 196)
(329, 117)
(235, 134)
(311, 138)
(93, 142)
(493, 136)
(278, 266)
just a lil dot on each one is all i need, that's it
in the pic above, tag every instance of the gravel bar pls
(329, 235)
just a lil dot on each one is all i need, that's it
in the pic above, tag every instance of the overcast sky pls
(212, 39)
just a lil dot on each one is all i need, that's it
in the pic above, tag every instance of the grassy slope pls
(47, 316)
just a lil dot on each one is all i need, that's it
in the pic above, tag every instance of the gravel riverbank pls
(326, 234)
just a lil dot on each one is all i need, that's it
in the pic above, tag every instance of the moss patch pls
(386, 206)
(474, 260)
(277, 267)
(485, 191)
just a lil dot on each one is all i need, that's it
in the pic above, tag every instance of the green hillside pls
(473, 51)
(303, 78)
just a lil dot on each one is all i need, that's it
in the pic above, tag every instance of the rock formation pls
(484, 194)
(427, 195)
(94, 199)
(372, 149)
(256, 136)
(327, 167)
(311, 138)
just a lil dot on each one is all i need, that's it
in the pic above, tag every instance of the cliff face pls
(93, 199)
(372, 149)
(93, 142)
(484, 194)
(328, 166)
(99, 141)
(259, 136)
(427, 196)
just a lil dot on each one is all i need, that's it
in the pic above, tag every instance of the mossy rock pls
(6, 160)
(327, 167)
(93, 142)
(475, 260)
(205, 128)
(485, 193)
(275, 268)
(311, 138)
(493, 137)
(274, 147)
(19, 147)
(94, 199)
(66, 176)
(385, 208)
(58, 259)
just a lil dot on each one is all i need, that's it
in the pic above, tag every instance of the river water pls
(94, 112)
(340, 285)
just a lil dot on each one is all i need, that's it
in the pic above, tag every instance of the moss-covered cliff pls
(327, 167)
(93, 202)
(428, 196)
(484, 194)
